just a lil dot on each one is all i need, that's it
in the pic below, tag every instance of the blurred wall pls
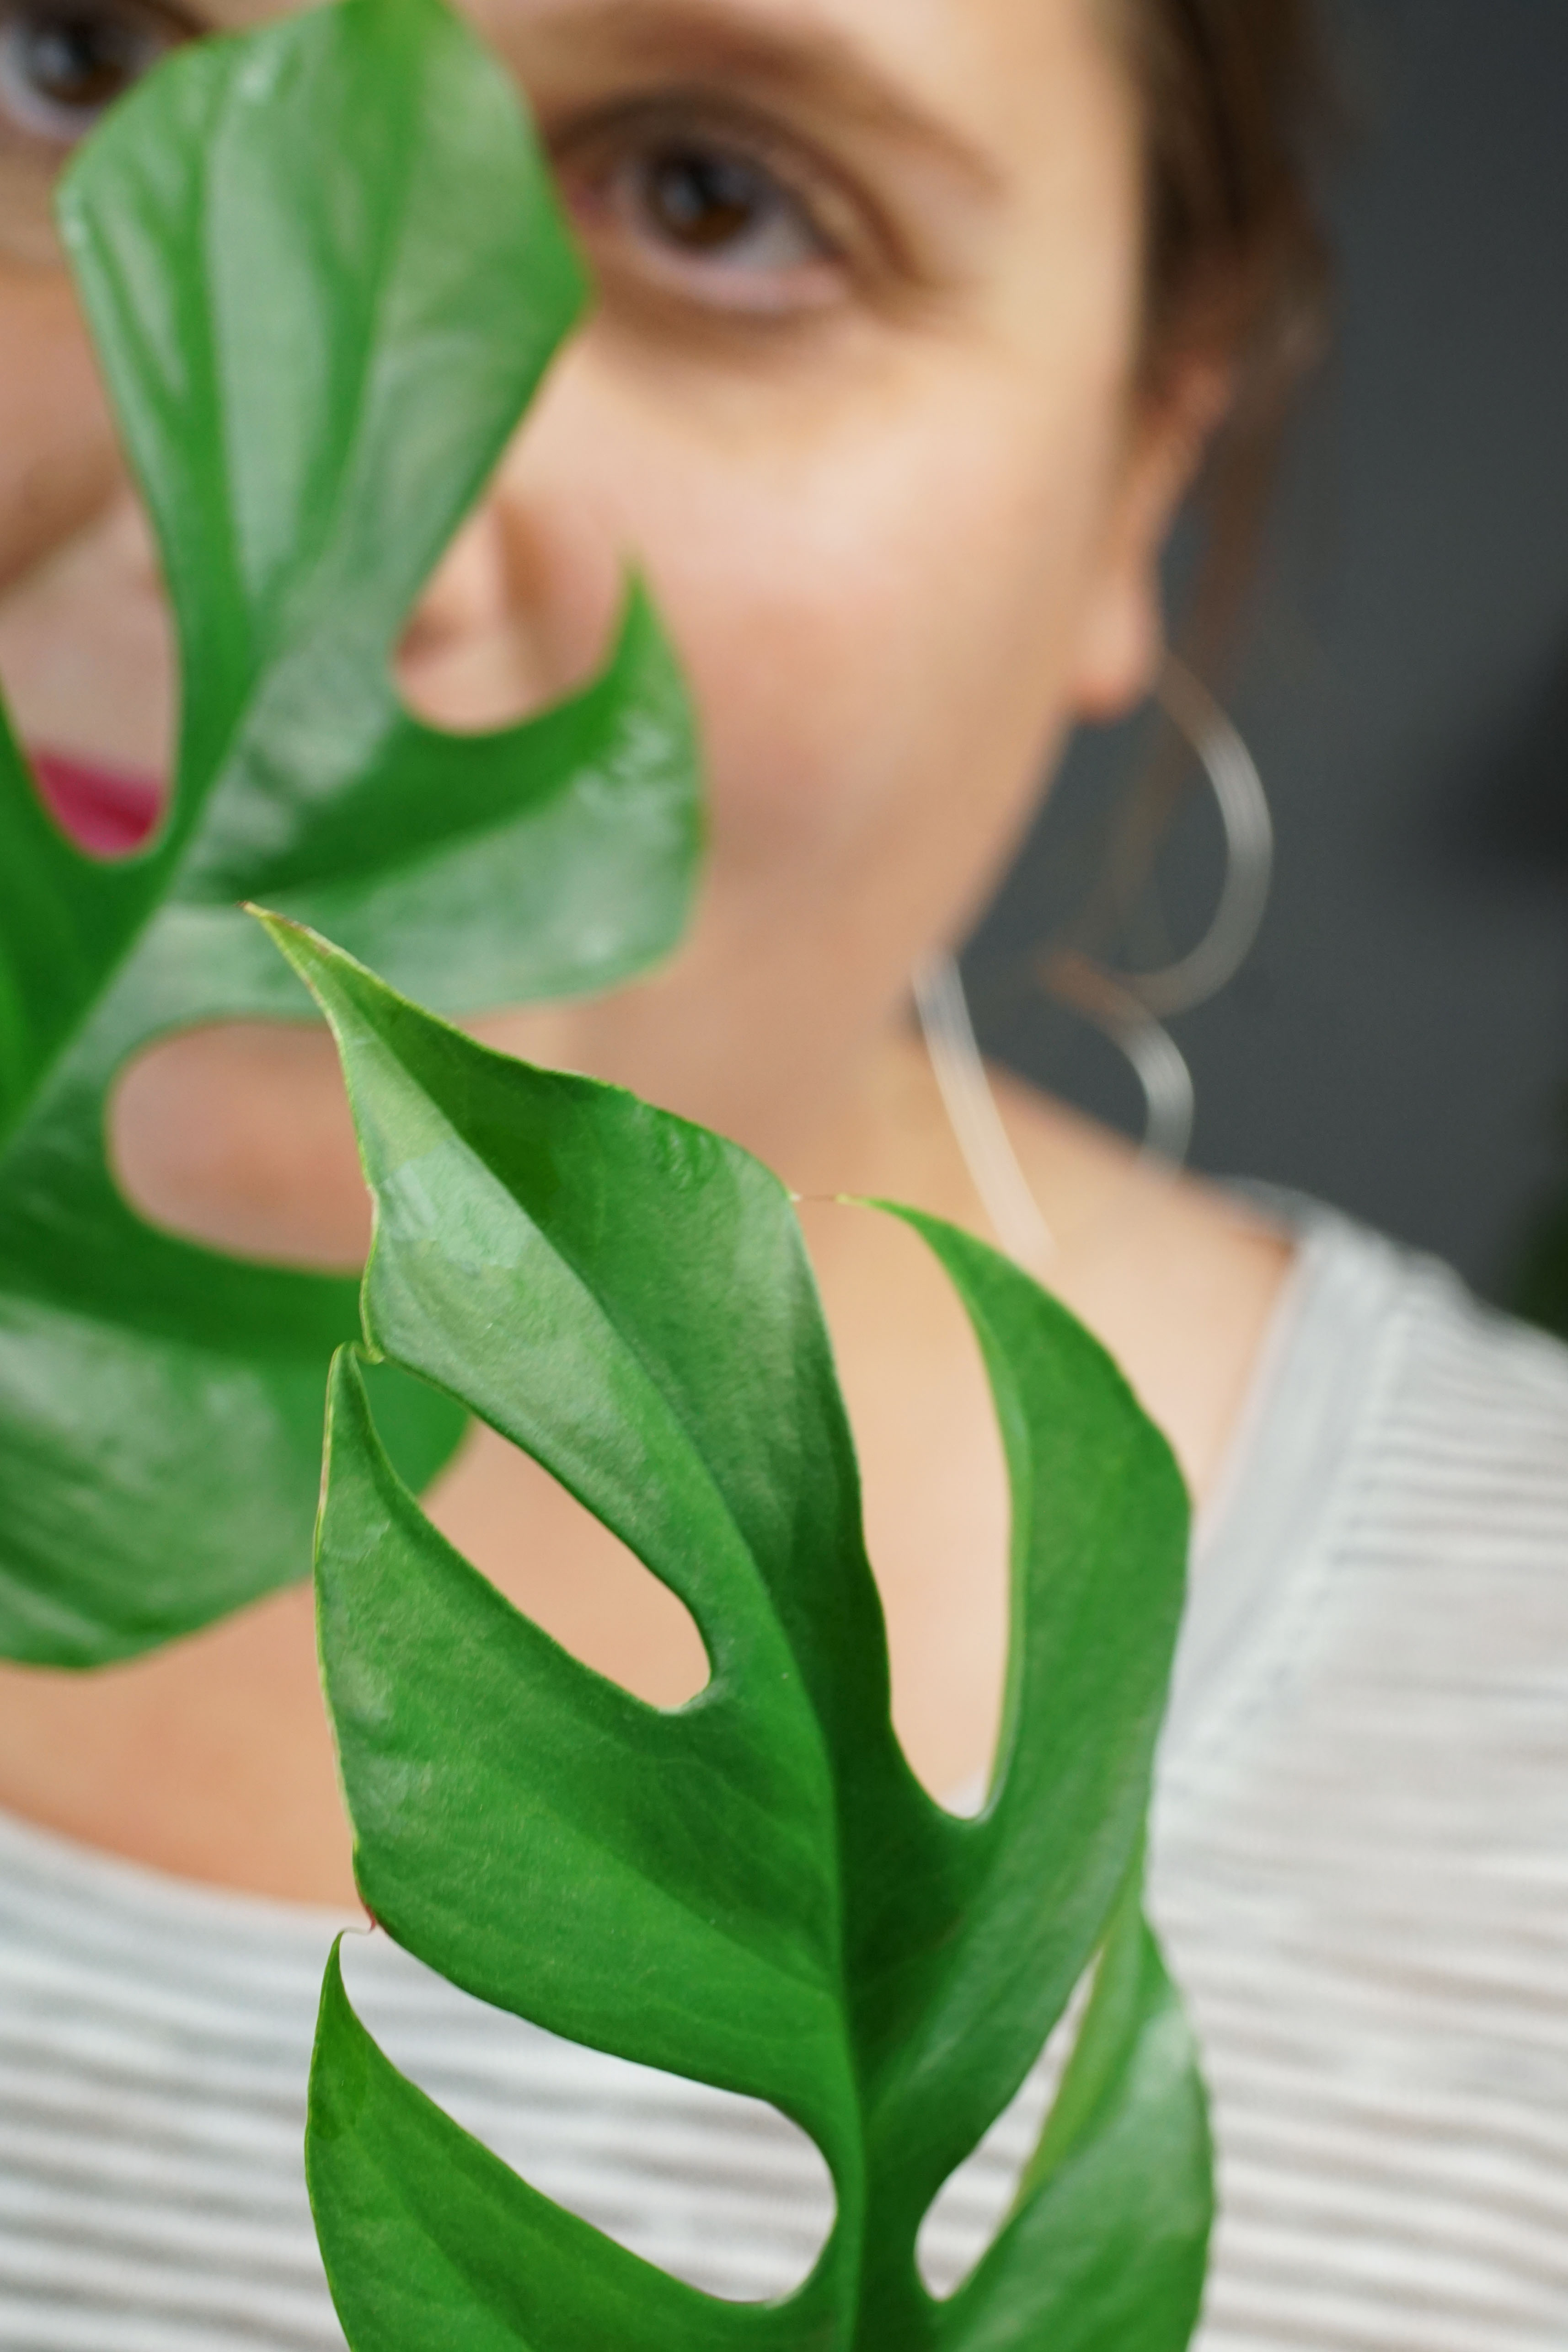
(1398, 1044)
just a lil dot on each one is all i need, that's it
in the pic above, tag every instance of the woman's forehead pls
(948, 72)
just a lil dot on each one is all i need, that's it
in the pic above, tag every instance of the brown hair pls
(1236, 98)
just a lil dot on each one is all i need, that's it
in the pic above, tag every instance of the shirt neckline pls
(1293, 1463)
(1287, 1470)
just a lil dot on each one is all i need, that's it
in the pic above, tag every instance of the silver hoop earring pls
(1130, 1009)
(1243, 807)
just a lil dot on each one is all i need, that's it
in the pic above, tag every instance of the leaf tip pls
(318, 962)
(287, 935)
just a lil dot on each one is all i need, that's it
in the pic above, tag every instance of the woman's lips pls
(106, 809)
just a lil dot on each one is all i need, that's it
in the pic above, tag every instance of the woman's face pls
(859, 395)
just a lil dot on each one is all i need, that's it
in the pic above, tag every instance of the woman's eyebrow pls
(810, 64)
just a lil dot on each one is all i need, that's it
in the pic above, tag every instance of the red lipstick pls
(105, 810)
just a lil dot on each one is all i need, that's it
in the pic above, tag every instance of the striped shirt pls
(1361, 1867)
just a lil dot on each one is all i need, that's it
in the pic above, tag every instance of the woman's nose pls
(520, 609)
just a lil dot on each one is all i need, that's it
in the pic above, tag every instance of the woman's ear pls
(1123, 633)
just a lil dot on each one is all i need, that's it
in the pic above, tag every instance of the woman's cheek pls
(867, 632)
(59, 463)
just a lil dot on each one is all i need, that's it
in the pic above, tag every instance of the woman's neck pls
(212, 1759)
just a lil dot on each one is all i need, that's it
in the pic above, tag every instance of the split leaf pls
(752, 1891)
(325, 271)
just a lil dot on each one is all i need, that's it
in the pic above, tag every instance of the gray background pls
(1398, 1044)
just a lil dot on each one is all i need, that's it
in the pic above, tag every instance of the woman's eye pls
(712, 222)
(63, 62)
(725, 207)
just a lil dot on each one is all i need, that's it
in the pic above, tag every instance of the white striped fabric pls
(1361, 1867)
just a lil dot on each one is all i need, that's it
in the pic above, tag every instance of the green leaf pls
(448, 2247)
(752, 1891)
(1105, 2248)
(325, 271)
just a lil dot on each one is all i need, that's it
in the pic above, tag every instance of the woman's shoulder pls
(1397, 1489)
(1431, 1390)
(1363, 1803)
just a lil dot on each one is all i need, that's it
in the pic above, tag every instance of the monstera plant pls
(325, 271)
(752, 1890)
(318, 337)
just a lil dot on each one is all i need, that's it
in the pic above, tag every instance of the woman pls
(916, 322)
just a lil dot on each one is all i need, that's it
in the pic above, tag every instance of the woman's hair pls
(1235, 99)
(1234, 94)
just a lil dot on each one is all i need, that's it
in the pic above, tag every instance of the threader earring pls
(1129, 1008)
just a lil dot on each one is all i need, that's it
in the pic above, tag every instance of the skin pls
(889, 465)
